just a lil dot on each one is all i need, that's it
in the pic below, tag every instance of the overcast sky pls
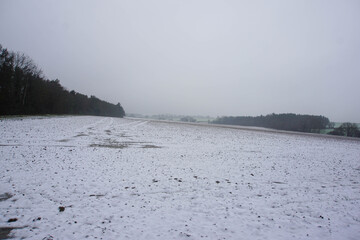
(225, 57)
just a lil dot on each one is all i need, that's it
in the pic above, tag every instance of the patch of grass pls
(326, 131)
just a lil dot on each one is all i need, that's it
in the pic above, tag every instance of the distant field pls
(111, 178)
(325, 131)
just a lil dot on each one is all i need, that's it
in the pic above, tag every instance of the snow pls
(142, 179)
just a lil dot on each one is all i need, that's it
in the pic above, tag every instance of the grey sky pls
(206, 57)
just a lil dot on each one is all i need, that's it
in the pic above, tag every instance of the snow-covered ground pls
(108, 178)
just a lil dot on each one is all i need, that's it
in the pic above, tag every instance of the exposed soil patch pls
(5, 232)
(97, 195)
(12, 220)
(10, 145)
(279, 182)
(61, 209)
(81, 135)
(120, 146)
(5, 196)
(150, 146)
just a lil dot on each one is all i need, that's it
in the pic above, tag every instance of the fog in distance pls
(198, 57)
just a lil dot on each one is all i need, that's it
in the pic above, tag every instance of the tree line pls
(346, 129)
(287, 121)
(24, 90)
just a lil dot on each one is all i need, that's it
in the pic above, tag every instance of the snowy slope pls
(136, 179)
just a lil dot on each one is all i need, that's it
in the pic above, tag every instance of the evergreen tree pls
(23, 90)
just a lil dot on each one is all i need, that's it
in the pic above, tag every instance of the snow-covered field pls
(108, 178)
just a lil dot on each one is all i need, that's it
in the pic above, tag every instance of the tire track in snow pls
(134, 124)
(141, 123)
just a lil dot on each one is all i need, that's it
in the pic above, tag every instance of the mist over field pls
(227, 58)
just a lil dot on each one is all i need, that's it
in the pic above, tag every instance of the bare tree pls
(24, 68)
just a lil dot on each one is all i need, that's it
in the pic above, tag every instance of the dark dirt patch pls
(81, 135)
(150, 146)
(61, 209)
(120, 146)
(4, 232)
(5, 196)
(97, 195)
(10, 145)
(279, 182)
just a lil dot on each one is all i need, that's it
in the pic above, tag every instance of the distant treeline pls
(23, 90)
(288, 121)
(346, 129)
